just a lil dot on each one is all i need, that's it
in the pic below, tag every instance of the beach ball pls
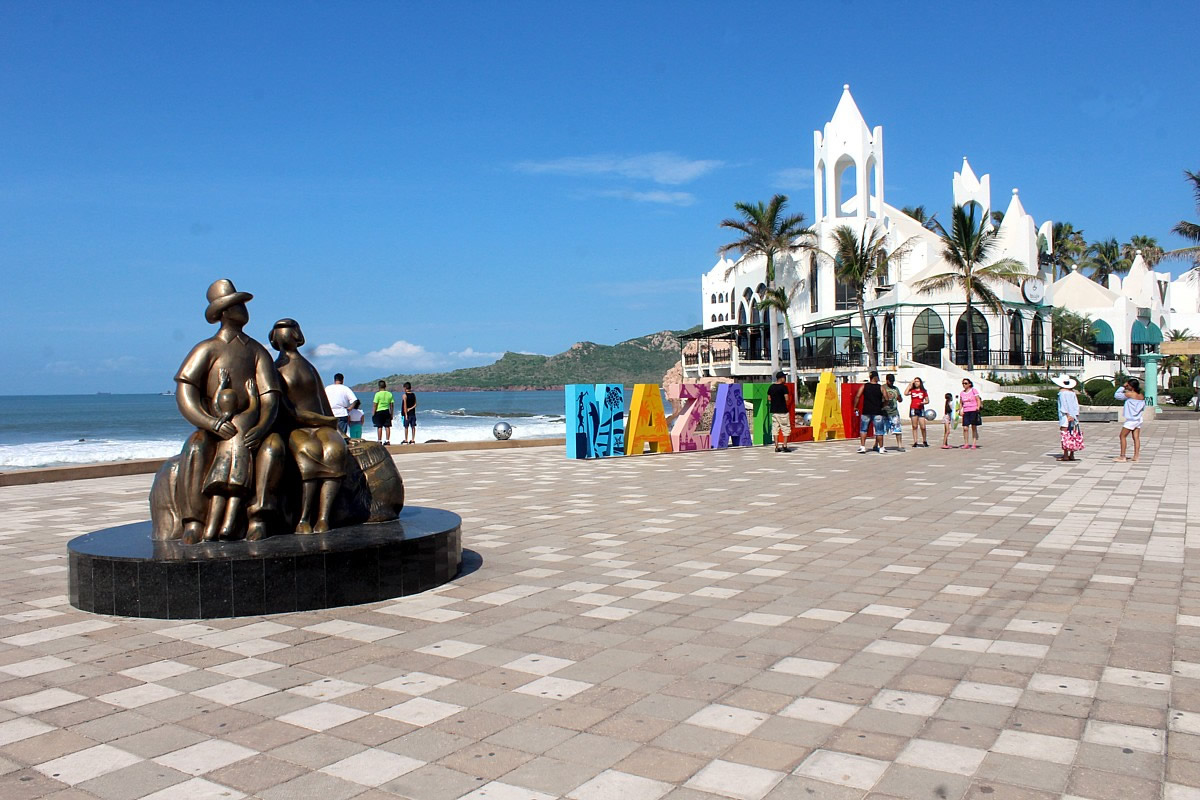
(502, 430)
(930, 414)
(808, 418)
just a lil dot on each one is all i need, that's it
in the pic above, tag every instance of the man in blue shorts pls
(871, 396)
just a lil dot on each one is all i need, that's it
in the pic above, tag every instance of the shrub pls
(1041, 410)
(990, 408)
(1098, 384)
(1181, 395)
(1179, 380)
(1051, 394)
(1012, 407)
(1104, 397)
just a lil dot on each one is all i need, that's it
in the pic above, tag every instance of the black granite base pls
(123, 571)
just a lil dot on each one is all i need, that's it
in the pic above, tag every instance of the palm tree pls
(1189, 230)
(966, 247)
(1151, 252)
(1066, 249)
(859, 258)
(1183, 362)
(779, 300)
(1105, 259)
(920, 215)
(766, 231)
(997, 219)
(1071, 327)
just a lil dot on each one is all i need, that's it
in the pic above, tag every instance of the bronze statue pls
(234, 357)
(312, 435)
(266, 457)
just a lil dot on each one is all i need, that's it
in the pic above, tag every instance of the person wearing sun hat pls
(1068, 408)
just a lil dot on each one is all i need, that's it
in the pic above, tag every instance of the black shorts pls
(410, 419)
(382, 418)
(971, 418)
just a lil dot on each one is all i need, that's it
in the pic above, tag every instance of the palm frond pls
(939, 283)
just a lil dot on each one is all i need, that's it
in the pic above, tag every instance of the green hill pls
(640, 360)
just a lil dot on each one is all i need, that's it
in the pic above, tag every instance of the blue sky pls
(425, 185)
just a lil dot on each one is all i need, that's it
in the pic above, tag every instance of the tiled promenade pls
(933, 624)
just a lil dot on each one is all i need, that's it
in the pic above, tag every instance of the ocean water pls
(43, 431)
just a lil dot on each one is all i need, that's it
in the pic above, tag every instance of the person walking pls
(384, 404)
(408, 411)
(918, 398)
(891, 410)
(871, 397)
(340, 399)
(1135, 404)
(777, 397)
(1068, 409)
(971, 418)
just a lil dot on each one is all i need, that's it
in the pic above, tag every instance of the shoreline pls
(147, 466)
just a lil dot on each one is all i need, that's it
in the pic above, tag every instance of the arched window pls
(873, 334)
(713, 300)
(929, 337)
(1037, 341)
(845, 186)
(979, 340)
(1016, 339)
(712, 318)
(813, 301)
(889, 333)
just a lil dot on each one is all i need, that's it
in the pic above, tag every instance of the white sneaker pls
(862, 449)
(882, 450)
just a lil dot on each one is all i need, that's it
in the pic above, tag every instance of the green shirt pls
(383, 400)
(891, 401)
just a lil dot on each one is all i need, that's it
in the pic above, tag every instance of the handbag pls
(1072, 438)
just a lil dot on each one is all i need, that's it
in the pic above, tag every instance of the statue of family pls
(266, 457)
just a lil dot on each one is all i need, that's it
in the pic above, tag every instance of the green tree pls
(767, 231)
(1151, 252)
(859, 258)
(1189, 230)
(1104, 259)
(1066, 249)
(779, 300)
(920, 215)
(1071, 327)
(967, 247)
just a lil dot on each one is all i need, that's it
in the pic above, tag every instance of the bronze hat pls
(222, 295)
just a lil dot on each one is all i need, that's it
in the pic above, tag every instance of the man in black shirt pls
(778, 406)
(871, 395)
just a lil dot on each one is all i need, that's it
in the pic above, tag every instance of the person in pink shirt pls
(971, 418)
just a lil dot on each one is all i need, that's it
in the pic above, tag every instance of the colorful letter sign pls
(583, 420)
(730, 425)
(760, 417)
(647, 422)
(827, 415)
(695, 398)
(610, 438)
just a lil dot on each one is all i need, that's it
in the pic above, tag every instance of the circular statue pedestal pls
(123, 571)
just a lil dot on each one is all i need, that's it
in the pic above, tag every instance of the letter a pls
(827, 412)
(647, 422)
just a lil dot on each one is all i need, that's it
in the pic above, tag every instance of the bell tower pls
(848, 166)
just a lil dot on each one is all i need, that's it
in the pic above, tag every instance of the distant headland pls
(640, 360)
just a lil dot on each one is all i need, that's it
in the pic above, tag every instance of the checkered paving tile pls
(736, 624)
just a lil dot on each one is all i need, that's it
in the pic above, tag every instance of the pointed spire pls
(1015, 213)
(967, 173)
(847, 116)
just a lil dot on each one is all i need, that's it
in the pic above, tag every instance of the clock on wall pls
(1034, 290)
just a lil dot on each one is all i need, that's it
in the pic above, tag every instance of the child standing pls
(917, 398)
(354, 415)
(1135, 404)
(947, 421)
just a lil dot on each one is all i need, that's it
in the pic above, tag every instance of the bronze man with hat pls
(229, 360)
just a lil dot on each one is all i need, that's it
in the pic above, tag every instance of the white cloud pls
(331, 350)
(400, 355)
(793, 178)
(668, 168)
(471, 354)
(654, 196)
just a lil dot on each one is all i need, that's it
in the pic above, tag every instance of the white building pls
(904, 327)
